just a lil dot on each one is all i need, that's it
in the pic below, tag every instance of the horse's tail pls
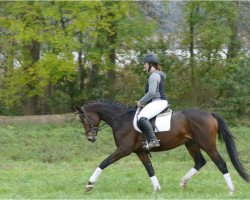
(225, 135)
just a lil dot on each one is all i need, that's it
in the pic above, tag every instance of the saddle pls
(166, 111)
(160, 123)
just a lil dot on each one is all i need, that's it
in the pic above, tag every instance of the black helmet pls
(150, 58)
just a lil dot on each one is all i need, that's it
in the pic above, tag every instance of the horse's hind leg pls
(149, 167)
(199, 161)
(222, 166)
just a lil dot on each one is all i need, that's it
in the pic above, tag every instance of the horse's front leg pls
(118, 154)
(149, 167)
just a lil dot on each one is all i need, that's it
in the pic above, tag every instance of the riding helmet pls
(150, 58)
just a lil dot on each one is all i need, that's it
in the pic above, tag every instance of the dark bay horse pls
(195, 129)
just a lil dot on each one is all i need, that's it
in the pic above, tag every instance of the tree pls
(46, 36)
(210, 35)
(40, 59)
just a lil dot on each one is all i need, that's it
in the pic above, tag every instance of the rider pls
(154, 101)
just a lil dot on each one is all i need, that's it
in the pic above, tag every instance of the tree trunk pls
(30, 105)
(112, 56)
(80, 63)
(30, 102)
(191, 51)
(46, 109)
(234, 44)
(111, 72)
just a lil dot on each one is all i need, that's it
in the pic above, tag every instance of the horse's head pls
(90, 121)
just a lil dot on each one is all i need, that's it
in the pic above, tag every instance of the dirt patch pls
(39, 119)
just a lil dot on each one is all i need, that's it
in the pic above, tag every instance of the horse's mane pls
(125, 106)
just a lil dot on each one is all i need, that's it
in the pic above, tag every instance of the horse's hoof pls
(88, 188)
(231, 193)
(157, 188)
(183, 186)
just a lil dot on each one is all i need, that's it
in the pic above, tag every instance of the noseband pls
(93, 129)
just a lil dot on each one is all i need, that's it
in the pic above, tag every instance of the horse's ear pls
(78, 109)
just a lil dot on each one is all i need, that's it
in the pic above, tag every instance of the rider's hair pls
(155, 65)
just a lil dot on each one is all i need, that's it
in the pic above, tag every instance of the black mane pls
(111, 102)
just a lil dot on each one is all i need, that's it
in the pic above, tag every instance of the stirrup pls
(154, 143)
(145, 145)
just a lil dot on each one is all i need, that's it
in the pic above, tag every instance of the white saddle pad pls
(162, 122)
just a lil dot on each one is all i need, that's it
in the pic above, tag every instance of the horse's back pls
(202, 124)
(203, 118)
(194, 112)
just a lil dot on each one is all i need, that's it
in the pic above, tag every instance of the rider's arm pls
(153, 82)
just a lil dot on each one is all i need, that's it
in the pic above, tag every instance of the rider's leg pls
(148, 112)
(147, 128)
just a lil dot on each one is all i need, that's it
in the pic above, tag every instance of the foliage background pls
(54, 55)
(57, 54)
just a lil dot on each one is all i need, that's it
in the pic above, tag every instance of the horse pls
(196, 129)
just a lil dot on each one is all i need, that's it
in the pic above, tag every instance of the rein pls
(95, 129)
(114, 119)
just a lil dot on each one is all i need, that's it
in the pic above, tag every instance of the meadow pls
(55, 162)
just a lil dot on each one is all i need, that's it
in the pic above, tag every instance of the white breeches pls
(153, 108)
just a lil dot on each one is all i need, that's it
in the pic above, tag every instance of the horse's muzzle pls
(91, 138)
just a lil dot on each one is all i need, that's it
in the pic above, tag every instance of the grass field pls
(56, 161)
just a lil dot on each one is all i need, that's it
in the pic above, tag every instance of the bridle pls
(94, 129)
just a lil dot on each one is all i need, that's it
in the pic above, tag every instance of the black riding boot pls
(147, 128)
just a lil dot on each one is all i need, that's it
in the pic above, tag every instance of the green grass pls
(56, 161)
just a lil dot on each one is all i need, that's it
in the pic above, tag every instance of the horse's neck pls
(106, 112)
(107, 115)
(110, 114)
